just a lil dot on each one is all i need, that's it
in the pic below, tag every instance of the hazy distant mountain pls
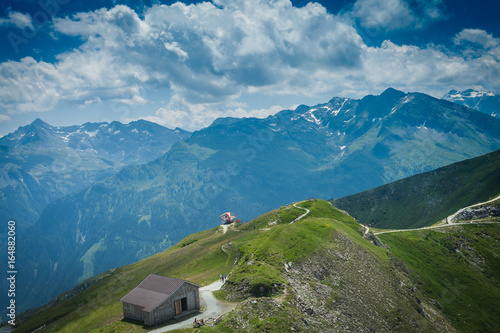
(484, 101)
(40, 163)
(247, 166)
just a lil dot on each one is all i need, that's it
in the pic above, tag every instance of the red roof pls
(153, 291)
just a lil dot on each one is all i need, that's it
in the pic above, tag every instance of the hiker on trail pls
(225, 277)
(220, 277)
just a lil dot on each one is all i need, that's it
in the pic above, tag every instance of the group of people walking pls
(223, 277)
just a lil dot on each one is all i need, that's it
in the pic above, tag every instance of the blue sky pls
(184, 64)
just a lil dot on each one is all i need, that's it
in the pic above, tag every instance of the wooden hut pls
(159, 298)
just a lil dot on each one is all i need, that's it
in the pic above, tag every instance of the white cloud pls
(391, 14)
(430, 70)
(204, 53)
(18, 20)
(174, 47)
(28, 86)
(180, 113)
(212, 56)
(95, 100)
(4, 118)
(477, 37)
(396, 14)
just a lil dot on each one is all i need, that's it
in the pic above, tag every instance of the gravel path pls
(303, 215)
(212, 308)
(452, 217)
(449, 219)
(435, 226)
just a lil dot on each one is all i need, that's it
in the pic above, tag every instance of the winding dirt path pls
(303, 215)
(449, 220)
(452, 216)
(436, 226)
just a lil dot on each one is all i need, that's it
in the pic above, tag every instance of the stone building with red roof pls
(159, 298)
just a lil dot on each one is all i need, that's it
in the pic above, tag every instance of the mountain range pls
(246, 166)
(40, 163)
(481, 100)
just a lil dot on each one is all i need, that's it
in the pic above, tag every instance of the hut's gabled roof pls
(153, 291)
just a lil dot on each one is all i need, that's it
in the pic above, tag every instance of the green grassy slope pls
(458, 267)
(198, 258)
(333, 280)
(426, 198)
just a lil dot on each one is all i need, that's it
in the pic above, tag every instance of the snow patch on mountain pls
(65, 138)
(336, 112)
(405, 100)
(347, 121)
(422, 126)
(481, 100)
(469, 93)
(91, 134)
(309, 116)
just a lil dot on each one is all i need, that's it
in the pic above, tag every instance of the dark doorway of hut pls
(181, 305)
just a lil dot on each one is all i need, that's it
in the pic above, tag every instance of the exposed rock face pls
(479, 212)
(352, 291)
(344, 288)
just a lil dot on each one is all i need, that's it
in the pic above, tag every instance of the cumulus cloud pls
(29, 85)
(206, 53)
(412, 68)
(18, 20)
(397, 14)
(174, 47)
(207, 56)
(478, 37)
(196, 116)
(431, 69)
(95, 100)
(4, 118)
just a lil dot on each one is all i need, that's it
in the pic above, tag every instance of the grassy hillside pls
(458, 268)
(426, 198)
(198, 258)
(318, 274)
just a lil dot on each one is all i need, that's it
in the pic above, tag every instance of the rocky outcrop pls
(347, 287)
(479, 212)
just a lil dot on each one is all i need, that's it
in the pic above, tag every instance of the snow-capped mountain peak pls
(481, 100)
(469, 93)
